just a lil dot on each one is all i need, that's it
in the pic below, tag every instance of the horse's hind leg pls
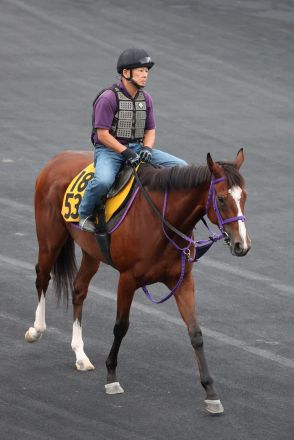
(89, 267)
(185, 299)
(50, 243)
(43, 269)
(125, 294)
(33, 334)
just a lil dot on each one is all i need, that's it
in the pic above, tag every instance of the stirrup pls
(87, 224)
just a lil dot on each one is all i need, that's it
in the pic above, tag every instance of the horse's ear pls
(210, 162)
(239, 158)
(214, 167)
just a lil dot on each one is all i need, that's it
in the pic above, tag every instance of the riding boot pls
(102, 236)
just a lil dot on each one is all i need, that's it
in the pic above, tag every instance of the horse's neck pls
(186, 207)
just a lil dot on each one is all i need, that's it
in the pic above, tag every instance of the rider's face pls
(140, 75)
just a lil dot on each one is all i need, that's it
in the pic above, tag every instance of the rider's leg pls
(165, 159)
(160, 157)
(107, 164)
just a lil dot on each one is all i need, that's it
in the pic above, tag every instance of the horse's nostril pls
(238, 249)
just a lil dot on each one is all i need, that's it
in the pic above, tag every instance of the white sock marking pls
(77, 343)
(40, 324)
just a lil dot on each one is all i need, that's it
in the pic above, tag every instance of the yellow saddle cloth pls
(75, 191)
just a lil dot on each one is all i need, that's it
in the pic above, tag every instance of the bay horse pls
(140, 262)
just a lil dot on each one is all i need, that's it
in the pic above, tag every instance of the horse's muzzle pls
(239, 251)
(238, 248)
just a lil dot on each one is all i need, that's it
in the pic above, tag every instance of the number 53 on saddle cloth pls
(118, 194)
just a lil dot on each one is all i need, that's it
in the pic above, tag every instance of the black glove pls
(146, 154)
(130, 157)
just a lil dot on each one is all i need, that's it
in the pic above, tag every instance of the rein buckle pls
(227, 240)
(187, 253)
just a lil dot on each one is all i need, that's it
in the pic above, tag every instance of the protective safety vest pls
(130, 116)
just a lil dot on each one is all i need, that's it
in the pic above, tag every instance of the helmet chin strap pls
(132, 81)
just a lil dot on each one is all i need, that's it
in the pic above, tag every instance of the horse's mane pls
(190, 176)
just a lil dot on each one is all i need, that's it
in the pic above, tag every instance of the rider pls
(123, 131)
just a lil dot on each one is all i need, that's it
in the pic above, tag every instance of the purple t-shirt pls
(106, 107)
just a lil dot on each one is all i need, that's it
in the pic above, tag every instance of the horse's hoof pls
(113, 388)
(214, 406)
(32, 335)
(84, 365)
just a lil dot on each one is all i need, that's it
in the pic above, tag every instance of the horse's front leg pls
(125, 294)
(185, 298)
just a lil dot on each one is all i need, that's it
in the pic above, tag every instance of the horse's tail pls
(64, 270)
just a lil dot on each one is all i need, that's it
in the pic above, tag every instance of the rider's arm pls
(109, 141)
(149, 138)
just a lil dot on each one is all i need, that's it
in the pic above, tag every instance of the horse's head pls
(226, 200)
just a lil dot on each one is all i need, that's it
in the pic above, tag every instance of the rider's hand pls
(131, 157)
(146, 154)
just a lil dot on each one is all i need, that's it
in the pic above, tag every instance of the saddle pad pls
(75, 191)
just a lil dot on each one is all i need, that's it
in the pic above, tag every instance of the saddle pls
(118, 200)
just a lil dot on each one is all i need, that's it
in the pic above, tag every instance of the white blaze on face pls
(236, 193)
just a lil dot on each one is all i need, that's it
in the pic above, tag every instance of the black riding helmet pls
(133, 58)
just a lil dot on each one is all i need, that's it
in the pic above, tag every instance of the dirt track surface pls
(223, 78)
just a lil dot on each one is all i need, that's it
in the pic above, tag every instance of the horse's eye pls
(221, 200)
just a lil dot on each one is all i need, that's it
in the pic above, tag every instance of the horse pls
(216, 189)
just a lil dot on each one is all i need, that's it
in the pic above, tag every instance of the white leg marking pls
(236, 192)
(82, 361)
(40, 324)
(35, 333)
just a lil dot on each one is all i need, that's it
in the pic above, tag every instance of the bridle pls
(200, 247)
(212, 196)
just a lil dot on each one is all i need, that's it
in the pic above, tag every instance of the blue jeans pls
(107, 164)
